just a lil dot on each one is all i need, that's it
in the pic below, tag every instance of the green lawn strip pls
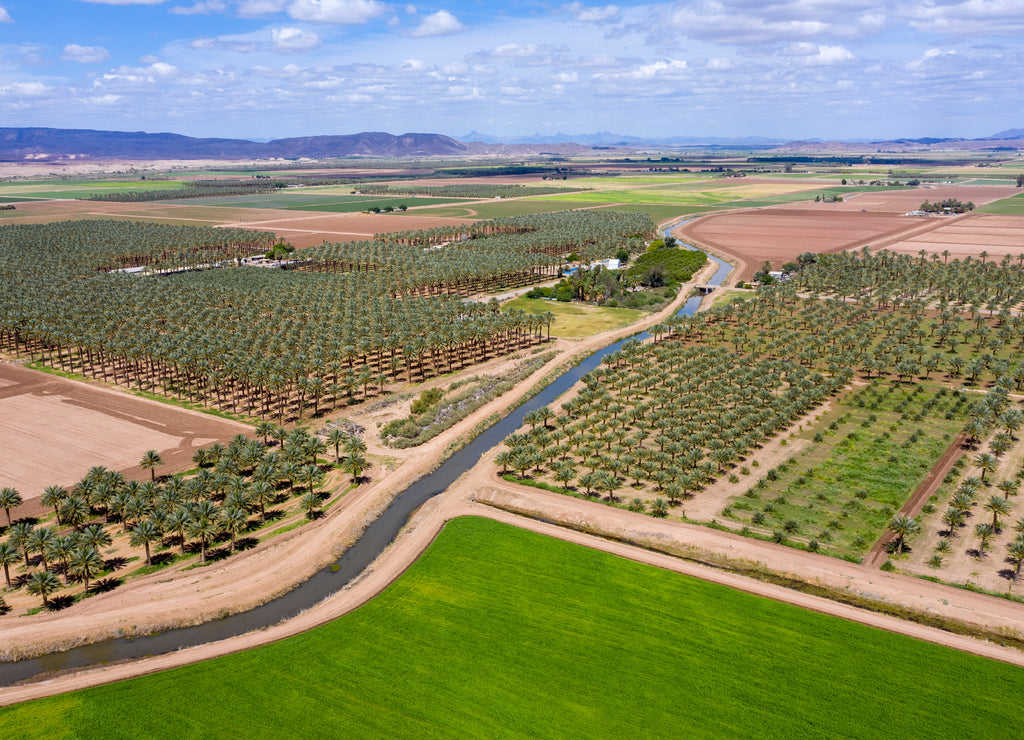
(499, 632)
(844, 489)
(378, 202)
(575, 320)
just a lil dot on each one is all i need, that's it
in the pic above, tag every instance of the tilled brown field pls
(779, 234)
(54, 430)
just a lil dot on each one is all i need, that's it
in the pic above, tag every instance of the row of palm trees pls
(234, 481)
(671, 415)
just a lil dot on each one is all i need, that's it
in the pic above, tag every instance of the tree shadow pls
(246, 543)
(115, 563)
(104, 585)
(274, 514)
(315, 514)
(59, 603)
(1008, 574)
(162, 558)
(5, 609)
(218, 553)
(976, 553)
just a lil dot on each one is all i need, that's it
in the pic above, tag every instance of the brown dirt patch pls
(54, 430)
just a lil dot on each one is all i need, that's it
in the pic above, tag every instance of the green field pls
(499, 208)
(1013, 206)
(576, 320)
(46, 189)
(500, 632)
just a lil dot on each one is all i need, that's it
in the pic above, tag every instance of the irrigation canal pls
(377, 536)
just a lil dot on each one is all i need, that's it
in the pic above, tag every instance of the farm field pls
(961, 550)
(1013, 206)
(866, 457)
(969, 235)
(497, 631)
(94, 426)
(574, 320)
(780, 233)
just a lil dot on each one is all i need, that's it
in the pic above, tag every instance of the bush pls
(427, 399)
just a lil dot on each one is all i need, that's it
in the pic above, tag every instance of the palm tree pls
(9, 556)
(659, 508)
(336, 437)
(903, 526)
(144, 533)
(953, 518)
(1015, 550)
(261, 492)
(983, 532)
(9, 499)
(310, 502)
(150, 461)
(986, 462)
(54, 496)
(18, 535)
(355, 463)
(41, 540)
(204, 529)
(43, 583)
(234, 519)
(177, 523)
(95, 536)
(85, 562)
(997, 506)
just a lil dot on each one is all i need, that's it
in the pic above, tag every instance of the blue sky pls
(275, 68)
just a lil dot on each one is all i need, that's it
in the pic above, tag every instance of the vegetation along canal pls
(377, 536)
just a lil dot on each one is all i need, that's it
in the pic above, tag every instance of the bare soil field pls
(969, 236)
(95, 426)
(307, 231)
(778, 234)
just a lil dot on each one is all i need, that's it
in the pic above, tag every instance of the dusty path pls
(878, 553)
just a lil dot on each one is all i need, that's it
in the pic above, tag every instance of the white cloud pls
(646, 71)
(203, 7)
(970, 17)
(930, 56)
(84, 54)
(250, 8)
(291, 40)
(413, 65)
(828, 56)
(25, 89)
(237, 44)
(440, 23)
(341, 12)
(592, 15)
(124, 2)
(5, 17)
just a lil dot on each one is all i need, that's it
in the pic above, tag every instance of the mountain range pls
(56, 145)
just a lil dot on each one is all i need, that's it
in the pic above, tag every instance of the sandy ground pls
(96, 426)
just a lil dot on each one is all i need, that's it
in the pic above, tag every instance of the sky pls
(262, 69)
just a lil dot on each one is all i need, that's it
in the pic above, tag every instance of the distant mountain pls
(608, 139)
(1010, 133)
(51, 144)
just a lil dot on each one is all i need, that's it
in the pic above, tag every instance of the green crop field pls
(496, 208)
(500, 632)
(1013, 206)
(576, 320)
